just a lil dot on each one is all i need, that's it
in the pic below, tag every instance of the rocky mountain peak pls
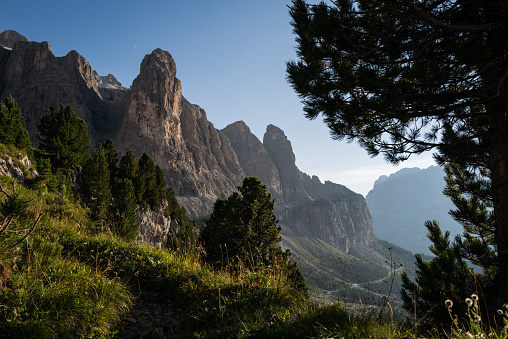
(276, 141)
(254, 157)
(158, 66)
(199, 162)
(9, 37)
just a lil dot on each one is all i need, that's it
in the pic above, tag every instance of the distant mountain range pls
(401, 203)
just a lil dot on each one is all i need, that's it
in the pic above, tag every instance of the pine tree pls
(96, 183)
(123, 209)
(398, 76)
(148, 180)
(63, 137)
(160, 185)
(449, 275)
(186, 238)
(242, 227)
(12, 126)
(111, 156)
(128, 168)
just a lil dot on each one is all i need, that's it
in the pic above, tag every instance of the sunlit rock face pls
(200, 162)
(152, 116)
(305, 207)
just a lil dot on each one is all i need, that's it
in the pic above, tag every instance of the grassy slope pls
(67, 282)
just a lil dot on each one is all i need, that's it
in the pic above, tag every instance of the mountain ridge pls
(200, 162)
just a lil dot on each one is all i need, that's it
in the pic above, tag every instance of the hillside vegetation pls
(66, 280)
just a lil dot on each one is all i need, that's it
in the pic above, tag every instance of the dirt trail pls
(152, 316)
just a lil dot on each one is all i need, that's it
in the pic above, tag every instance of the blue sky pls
(230, 57)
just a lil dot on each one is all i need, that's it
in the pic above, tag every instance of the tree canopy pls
(243, 227)
(63, 137)
(12, 126)
(406, 76)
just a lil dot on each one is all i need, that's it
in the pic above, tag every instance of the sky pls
(231, 59)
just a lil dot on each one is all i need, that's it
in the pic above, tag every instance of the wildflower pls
(469, 302)
(500, 312)
(477, 318)
(448, 303)
(474, 297)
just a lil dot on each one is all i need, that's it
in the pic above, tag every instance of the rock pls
(196, 158)
(9, 37)
(150, 317)
(401, 204)
(16, 170)
(304, 206)
(154, 227)
(199, 162)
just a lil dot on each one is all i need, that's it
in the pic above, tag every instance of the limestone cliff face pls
(200, 162)
(38, 80)
(152, 116)
(305, 207)
(255, 160)
(196, 158)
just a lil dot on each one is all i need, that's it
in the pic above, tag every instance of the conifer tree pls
(63, 137)
(96, 183)
(398, 76)
(186, 238)
(148, 180)
(449, 275)
(111, 156)
(160, 185)
(242, 227)
(128, 168)
(123, 209)
(12, 126)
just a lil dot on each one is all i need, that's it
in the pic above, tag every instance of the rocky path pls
(151, 317)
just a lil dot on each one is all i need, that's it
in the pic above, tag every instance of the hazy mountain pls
(401, 203)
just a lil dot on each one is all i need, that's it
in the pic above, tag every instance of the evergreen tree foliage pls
(111, 156)
(160, 186)
(185, 239)
(12, 126)
(242, 227)
(63, 137)
(148, 181)
(96, 183)
(448, 275)
(123, 209)
(128, 166)
(243, 230)
(405, 76)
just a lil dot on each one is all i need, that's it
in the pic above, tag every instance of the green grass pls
(69, 282)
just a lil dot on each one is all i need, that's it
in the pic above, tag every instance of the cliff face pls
(152, 116)
(401, 203)
(200, 162)
(305, 207)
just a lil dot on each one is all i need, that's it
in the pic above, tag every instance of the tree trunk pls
(498, 163)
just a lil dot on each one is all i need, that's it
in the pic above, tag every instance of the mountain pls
(401, 203)
(320, 221)
(327, 212)
(152, 116)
